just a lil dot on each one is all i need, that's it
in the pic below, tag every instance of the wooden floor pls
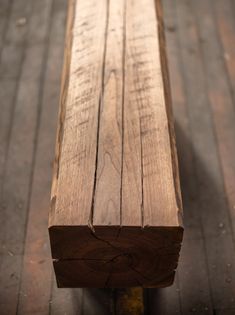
(201, 48)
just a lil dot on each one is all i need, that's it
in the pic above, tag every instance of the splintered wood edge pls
(63, 97)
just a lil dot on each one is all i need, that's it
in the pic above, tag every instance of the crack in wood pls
(90, 222)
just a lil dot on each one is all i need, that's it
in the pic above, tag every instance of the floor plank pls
(20, 160)
(221, 97)
(225, 18)
(37, 266)
(215, 221)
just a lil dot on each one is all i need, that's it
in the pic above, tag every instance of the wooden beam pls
(115, 218)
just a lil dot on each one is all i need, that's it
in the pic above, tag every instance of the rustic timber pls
(115, 218)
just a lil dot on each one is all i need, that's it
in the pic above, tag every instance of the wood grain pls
(115, 216)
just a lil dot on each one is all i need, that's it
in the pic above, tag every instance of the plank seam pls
(123, 105)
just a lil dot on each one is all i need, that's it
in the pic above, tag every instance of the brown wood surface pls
(204, 283)
(115, 218)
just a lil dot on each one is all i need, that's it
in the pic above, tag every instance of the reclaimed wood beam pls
(115, 218)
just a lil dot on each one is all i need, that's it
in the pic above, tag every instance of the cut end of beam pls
(114, 256)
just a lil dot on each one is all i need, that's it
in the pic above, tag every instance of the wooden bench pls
(115, 217)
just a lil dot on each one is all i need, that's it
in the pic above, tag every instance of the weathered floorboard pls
(37, 268)
(20, 161)
(214, 218)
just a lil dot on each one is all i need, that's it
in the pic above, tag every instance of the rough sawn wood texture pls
(115, 218)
